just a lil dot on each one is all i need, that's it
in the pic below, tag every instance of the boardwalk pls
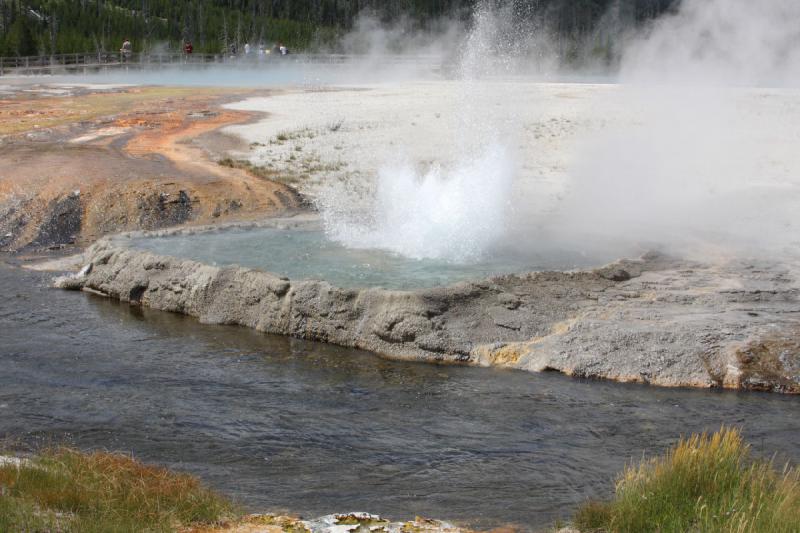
(100, 61)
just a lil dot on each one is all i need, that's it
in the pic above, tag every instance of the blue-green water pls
(308, 254)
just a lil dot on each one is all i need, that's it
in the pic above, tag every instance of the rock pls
(69, 282)
(364, 523)
(509, 301)
(616, 274)
(671, 322)
(74, 282)
(505, 317)
(10, 460)
(159, 209)
(62, 223)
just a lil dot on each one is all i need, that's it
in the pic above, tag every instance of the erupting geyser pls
(454, 214)
(458, 211)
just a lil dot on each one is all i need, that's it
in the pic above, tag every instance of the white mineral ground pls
(327, 135)
(352, 132)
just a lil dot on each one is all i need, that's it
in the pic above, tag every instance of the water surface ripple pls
(287, 424)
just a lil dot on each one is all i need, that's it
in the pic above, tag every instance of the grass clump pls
(706, 483)
(230, 162)
(69, 491)
(283, 136)
(262, 171)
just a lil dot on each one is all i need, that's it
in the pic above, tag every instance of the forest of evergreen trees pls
(41, 27)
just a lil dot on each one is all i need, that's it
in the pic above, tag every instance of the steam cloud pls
(702, 151)
(707, 158)
(704, 154)
(731, 42)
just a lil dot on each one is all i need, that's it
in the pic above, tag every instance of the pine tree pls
(20, 40)
(213, 25)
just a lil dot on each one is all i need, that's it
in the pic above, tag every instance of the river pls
(283, 424)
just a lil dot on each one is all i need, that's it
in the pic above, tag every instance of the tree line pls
(42, 27)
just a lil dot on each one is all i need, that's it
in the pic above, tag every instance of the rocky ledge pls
(658, 320)
(338, 523)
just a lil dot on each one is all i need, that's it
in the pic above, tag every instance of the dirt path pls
(79, 165)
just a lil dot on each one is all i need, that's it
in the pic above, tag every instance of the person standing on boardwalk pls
(126, 50)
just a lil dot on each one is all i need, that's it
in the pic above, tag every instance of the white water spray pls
(452, 214)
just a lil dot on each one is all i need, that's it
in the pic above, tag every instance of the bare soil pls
(77, 166)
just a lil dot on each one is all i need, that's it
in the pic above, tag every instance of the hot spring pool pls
(308, 254)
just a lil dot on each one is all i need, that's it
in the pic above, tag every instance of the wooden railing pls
(96, 60)
(110, 60)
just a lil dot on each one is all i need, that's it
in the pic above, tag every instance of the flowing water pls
(286, 424)
(309, 254)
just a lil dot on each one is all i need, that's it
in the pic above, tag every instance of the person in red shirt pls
(187, 47)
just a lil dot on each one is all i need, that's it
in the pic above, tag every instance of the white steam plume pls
(701, 157)
(732, 42)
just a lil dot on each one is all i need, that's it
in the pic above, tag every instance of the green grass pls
(69, 491)
(706, 483)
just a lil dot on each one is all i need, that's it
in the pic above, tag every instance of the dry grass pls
(70, 491)
(284, 136)
(705, 483)
(772, 363)
(287, 178)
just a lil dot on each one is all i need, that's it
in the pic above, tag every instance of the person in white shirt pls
(126, 50)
